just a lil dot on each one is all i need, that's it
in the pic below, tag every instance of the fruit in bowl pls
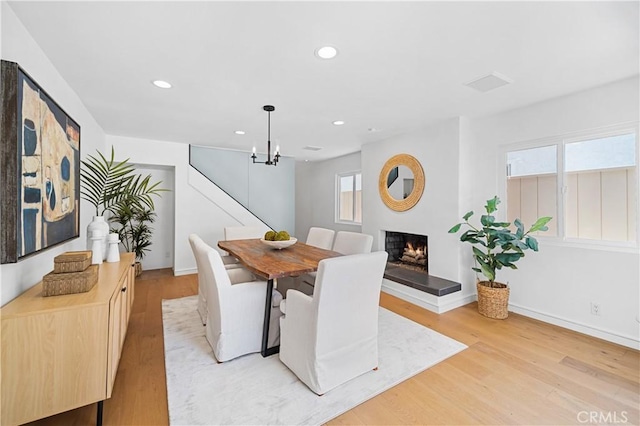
(278, 240)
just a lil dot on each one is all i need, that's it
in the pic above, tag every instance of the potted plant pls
(110, 186)
(495, 246)
(134, 230)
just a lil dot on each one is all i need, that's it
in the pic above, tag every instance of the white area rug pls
(252, 390)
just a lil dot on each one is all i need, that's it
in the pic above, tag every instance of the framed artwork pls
(40, 168)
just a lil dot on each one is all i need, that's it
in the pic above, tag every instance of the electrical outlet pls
(595, 309)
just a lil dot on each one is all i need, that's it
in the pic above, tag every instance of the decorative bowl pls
(279, 244)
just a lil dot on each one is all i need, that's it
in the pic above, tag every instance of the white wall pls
(558, 283)
(18, 46)
(437, 150)
(316, 196)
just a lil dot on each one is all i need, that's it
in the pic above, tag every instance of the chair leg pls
(375, 369)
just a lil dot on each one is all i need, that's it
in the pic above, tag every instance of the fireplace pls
(407, 250)
(408, 264)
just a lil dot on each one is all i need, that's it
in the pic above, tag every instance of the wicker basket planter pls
(493, 302)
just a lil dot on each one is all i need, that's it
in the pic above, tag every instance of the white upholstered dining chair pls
(320, 237)
(194, 239)
(235, 276)
(352, 242)
(345, 243)
(239, 233)
(332, 337)
(235, 308)
(317, 237)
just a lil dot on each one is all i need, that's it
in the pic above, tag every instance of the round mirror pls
(401, 182)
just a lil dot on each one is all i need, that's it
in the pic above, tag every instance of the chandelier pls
(276, 154)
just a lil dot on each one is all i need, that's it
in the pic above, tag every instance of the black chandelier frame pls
(276, 156)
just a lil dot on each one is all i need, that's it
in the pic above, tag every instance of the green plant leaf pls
(455, 228)
(468, 215)
(540, 224)
(471, 236)
(502, 224)
(519, 228)
(532, 243)
(487, 220)
(492, 205)
(508, 258)
(479, 254)
(487, 271)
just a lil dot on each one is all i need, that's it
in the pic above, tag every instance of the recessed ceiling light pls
(239, 132)
(338, 123)
(326, 52)
(162, 84)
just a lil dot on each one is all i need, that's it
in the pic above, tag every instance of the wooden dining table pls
(270, 263)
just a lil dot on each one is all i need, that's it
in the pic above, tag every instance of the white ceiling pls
(401, 65)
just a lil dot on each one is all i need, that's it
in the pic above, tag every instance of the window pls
(349, 198)
(587, 183)
(531, 186)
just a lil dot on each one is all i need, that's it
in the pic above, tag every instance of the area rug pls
(252, 390)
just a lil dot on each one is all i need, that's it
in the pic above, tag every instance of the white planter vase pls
(99, 226)
(114, 249)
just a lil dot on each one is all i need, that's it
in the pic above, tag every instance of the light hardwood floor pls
(515, 371)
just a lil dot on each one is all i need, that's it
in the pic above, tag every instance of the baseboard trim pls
(576, 326)
(438, 308)
(456, 303)
(409, 298)
(186, 271)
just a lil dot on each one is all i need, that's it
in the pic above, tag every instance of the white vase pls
(114, 250)
(100, 225)
(96, 249)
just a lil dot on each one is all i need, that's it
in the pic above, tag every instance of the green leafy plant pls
(494, 245)
(133, 227)
(109, 185)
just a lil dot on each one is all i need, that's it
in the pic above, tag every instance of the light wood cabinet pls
(62, 352)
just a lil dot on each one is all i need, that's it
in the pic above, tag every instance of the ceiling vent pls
(489, 82)
(312, 148)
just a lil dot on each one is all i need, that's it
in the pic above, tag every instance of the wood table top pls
(270, 263)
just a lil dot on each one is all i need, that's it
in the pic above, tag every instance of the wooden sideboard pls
(62, 352)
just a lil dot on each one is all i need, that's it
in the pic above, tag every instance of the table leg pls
(267, 319)
(99, 414)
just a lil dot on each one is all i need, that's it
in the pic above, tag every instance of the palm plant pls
(134, 230)
(109, 185)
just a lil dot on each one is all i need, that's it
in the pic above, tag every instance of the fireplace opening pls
(409, 251)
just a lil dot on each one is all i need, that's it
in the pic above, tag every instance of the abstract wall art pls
(40, 168)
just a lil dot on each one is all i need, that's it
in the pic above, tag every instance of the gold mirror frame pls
(418, 182)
